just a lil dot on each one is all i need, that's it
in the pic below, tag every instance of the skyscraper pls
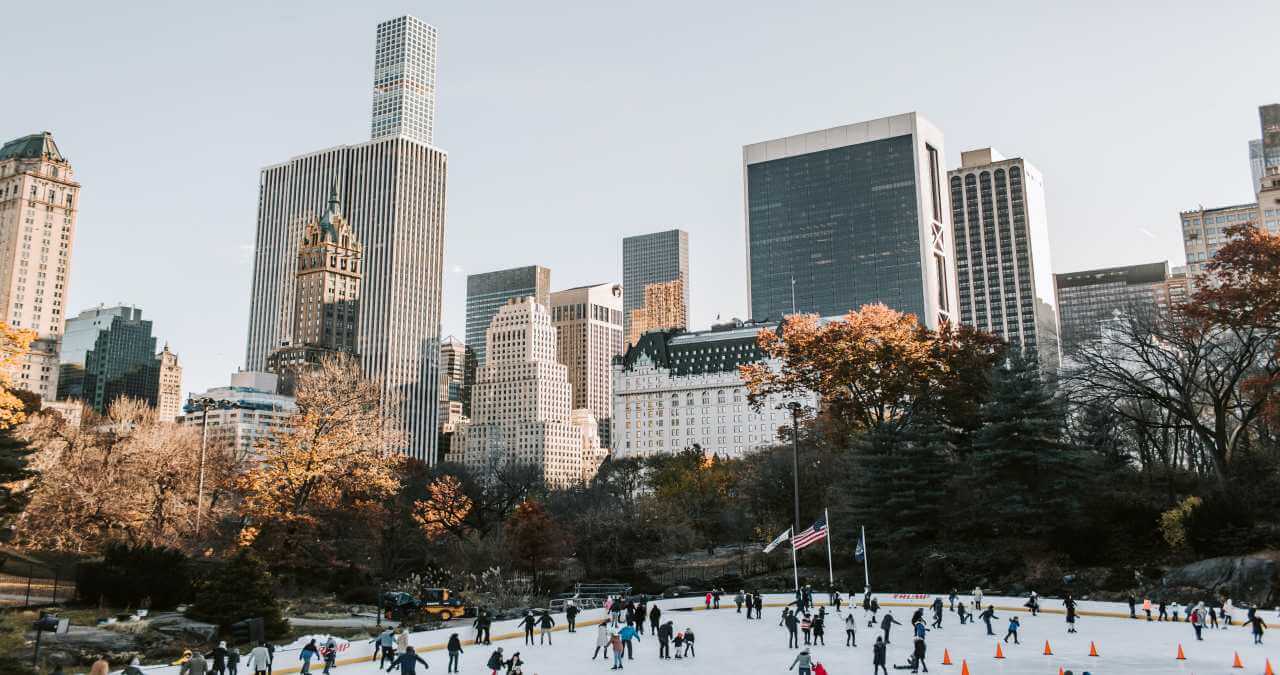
(847, 216)
(39, 200)
(1204, 231)
(655, 258)
(393, 194)
(123, 363)
(1004, 278)
(488, 292)
(521, 405)
(326, 297)
(588, 323)
(404, 80)
(1264, 152)
(79, 337)
(1088, 298)
(454, 356)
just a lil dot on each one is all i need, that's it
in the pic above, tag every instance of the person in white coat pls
(259, 660)
(977, 597)
(602, 642)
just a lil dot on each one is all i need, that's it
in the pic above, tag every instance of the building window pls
(935, 190)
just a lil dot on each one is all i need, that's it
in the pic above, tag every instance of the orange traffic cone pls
(1093, 650)
(1047, 650)
(999, 653)
(946, 658)
(1269, 671)
(1237, 663)
(1060, 671)
(1181, 656)
(964, 667)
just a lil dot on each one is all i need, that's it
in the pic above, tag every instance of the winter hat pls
(223, 644)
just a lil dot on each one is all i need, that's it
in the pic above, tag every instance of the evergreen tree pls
(240, 589)
(1023, 477)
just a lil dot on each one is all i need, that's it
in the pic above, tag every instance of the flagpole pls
(795, 571)
(831, 573)
(866, 574)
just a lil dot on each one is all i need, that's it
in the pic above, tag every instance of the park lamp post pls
(204, 404)
(796, 409)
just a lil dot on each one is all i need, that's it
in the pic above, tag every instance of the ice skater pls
(602, 642)
(987, 616)
(878, 657)
(804, 661)
(887, 623)
(688, 643)
(850, 630)
(1070, 604)
(1013, 630)
(545, 624)
(792, 624)
(528, 622)
(1259, 626)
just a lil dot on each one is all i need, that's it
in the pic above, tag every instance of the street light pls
(796, 409)
(205, 404)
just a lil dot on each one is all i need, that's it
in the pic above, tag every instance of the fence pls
(673, 575)
(25, 582)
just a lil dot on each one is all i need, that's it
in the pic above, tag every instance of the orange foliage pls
(445, 510)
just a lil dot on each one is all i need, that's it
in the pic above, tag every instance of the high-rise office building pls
(454, 355)
(649, 259)
(168, 385)
(393, 196)
(258, 415)
(848, 216)
(588, 323)
(489, 292)
(326, 301)
(1204, 231)
(78, 338)
(1264, 152)
(522, 403)
(1004, 277)
(39, 200)
(1089, 298)
(404, 80)
(123, 363)
(1269, 201)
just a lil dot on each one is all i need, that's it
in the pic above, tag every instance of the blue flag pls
(860, 552)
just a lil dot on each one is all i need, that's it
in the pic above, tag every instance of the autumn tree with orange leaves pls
(876, 366)
(326, 481)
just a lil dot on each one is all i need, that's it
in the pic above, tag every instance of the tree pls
(241, 588)
(1022, 478)
(328, 479)
(874, 367)
(534, 539)
(14, 343)
(445, 509)
(124, 478)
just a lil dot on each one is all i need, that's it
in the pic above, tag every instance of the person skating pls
(545, 624)
(571, 616)
(804, 662)
(308, 652)
(1070, 604)
(962, 611)
(627, 634)
(917, 616)
(806, 627)
(1196, 617)
(850, 630)
(615, 643)
(483, 624)
(1133, 607)
(455, 649)
(987, 615)
(888, 622)
(528, 622)
(819, 629)
(715, 598)
(878, 657)
(977, 597)
(602, 642)
(1258, 626)
(196, 665)
(708, 599)
(330, 653)
(219, 657)
(1033, 603)
(233, 661)
(917, 655)
(937, 612)
(1164, 611)
(665, 633)
(408, 662)
(793, 625)
(1174, 609)
(688, 643)
(1213, 617)
(1227, 610)
(1013, 630)
(678, 643)
(951, 600)
(875, 609)
(655, 616)
(1146, 607)
(738, 600)
(260, 660)
(384, 647)
(494, 664)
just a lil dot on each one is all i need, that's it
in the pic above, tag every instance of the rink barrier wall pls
(519, 635)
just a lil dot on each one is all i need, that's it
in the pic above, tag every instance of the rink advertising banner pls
(816, 533)
(778, 541)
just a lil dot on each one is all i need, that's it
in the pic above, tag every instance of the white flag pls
(776, 542)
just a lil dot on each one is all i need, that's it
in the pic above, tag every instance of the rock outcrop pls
(1252, 580)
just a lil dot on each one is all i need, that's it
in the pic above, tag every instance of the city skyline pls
(204, 203)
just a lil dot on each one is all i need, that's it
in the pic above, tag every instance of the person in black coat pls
(887, 623)
(545, 622)
(454, 648)
(1133, 607)
(529, 621)
(665, 632)
(792, 623)
(878, 657)
(571, 617)
(987, 615)
(937, 612)
(875, 609)
(219, 657)
(655, 617)
(917, 656)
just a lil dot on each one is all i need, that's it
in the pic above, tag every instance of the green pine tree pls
(1023, 477)
(240, 589)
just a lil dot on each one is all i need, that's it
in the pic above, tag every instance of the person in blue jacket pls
(1013, 630)
(628, 633)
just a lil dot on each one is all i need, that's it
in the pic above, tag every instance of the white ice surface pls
(728, 643)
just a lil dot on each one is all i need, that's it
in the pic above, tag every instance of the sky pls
(570, 125)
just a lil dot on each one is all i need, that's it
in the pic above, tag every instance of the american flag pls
(816, 532)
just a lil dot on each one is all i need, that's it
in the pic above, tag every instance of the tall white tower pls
(404, 79)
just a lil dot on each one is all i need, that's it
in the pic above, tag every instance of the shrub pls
(241, 589)
(134, 576)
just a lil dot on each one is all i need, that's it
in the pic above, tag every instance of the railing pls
(601, 590)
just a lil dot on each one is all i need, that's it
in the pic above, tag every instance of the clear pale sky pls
(572, 124)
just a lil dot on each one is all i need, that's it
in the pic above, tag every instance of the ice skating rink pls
(729, 643)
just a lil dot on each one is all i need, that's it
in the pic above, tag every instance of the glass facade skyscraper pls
(848, 216)
(1088, 298)
(655, 258)
(404, 80)
(487, 292)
